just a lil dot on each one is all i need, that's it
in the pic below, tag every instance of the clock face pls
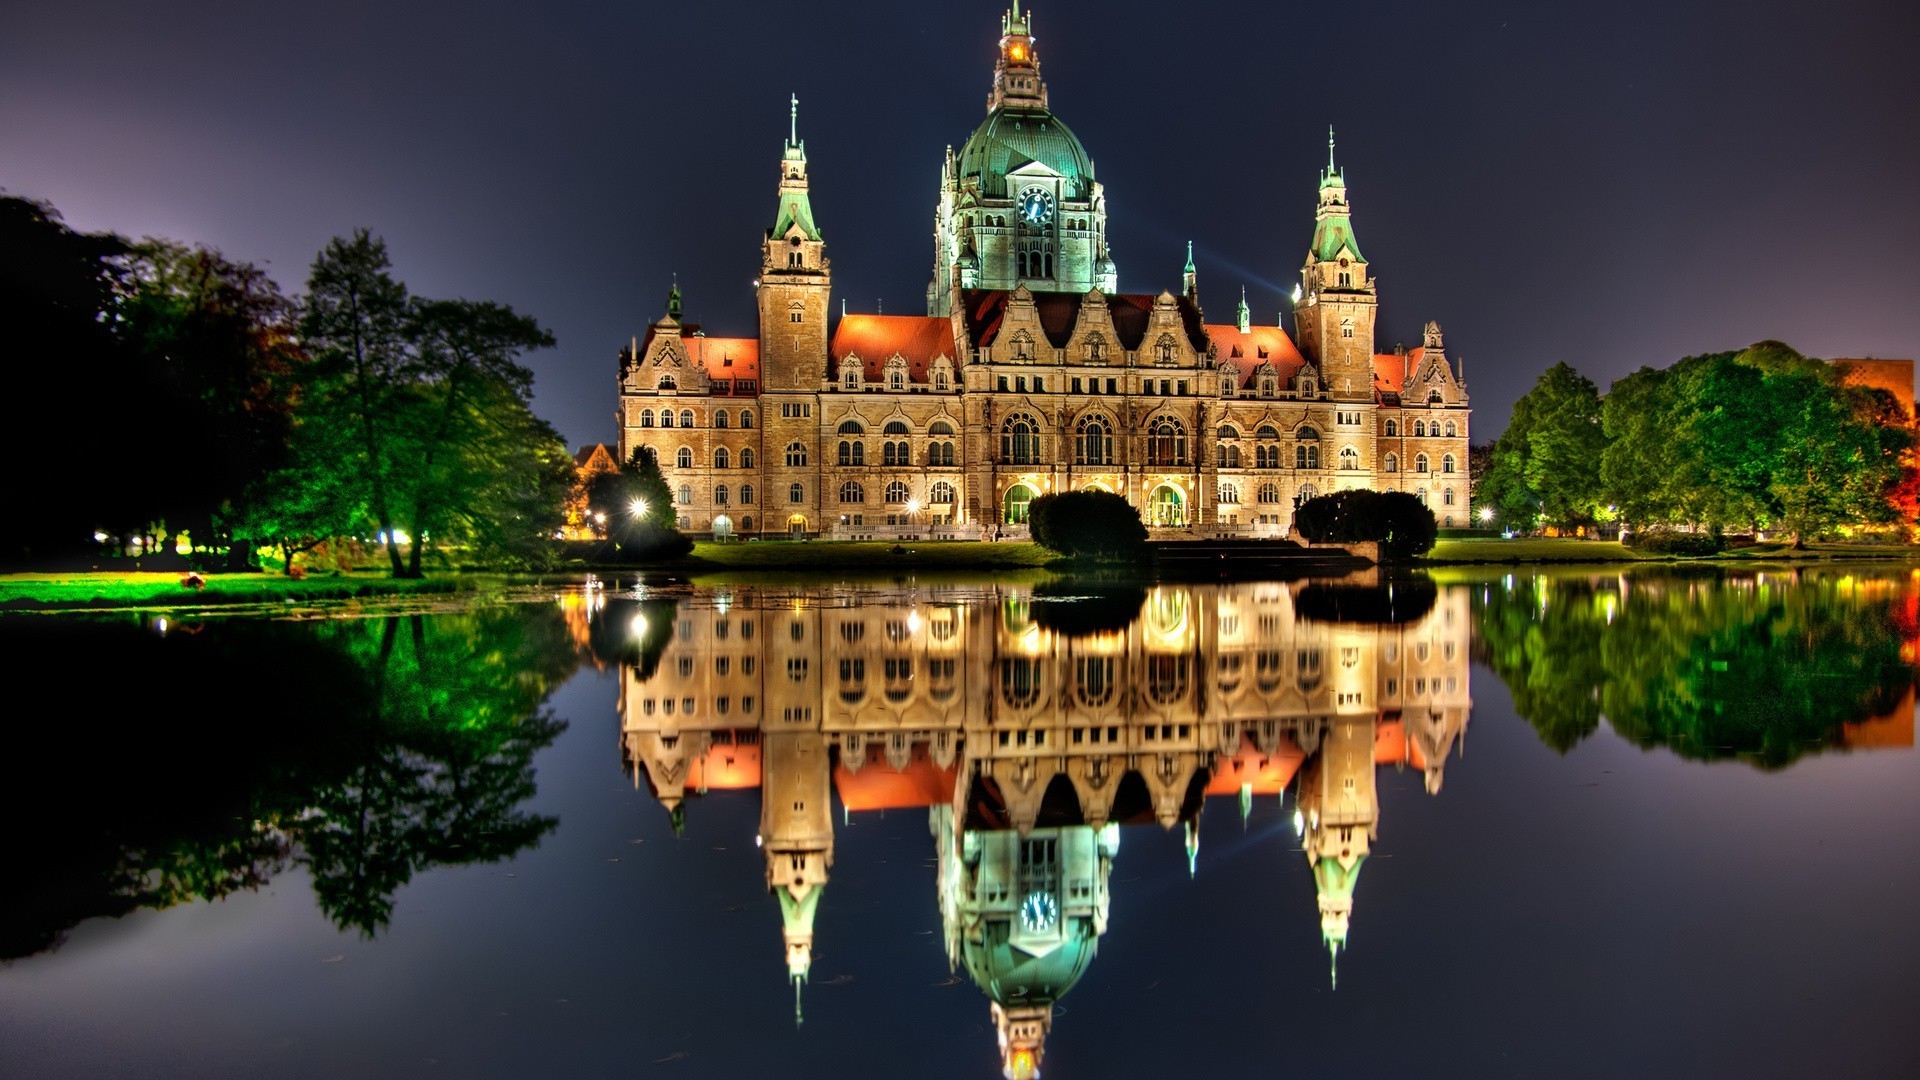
(1039, 911)
(1036, 206)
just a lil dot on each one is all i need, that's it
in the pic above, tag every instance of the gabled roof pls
(1390, 370)
(725, 357)
(1257, 345)
(985, 310)
(588, 453)
(876, 339)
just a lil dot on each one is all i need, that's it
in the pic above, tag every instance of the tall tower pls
(1335, 312)
(1019, 204)
(795, 283)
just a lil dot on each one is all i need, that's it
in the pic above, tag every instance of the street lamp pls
(639, 507)
(1486, 513)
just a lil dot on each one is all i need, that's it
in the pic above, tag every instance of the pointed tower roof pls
(1243, 315)
(796, 209)
(1333, 221)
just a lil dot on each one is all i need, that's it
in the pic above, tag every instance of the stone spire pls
(1189, 279)
(796, 209)
(1016, 74)
(1242, 315)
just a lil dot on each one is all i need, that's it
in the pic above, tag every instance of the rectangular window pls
(1165, 388)
(1039, 384)
(1147, 387)
(1112, 386)
(1003, 384)
(1076, 386)
(1020, 383)
(1182, 391)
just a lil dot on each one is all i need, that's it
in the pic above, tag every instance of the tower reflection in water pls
(1032, 728)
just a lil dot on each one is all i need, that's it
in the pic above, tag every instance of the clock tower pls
(1333, 317)
(794, 288)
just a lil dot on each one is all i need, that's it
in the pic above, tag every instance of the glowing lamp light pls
(638, 627)
(639, 507)
(1020, 1066)
(1486, 513)
(1296, 294)
(913, 506)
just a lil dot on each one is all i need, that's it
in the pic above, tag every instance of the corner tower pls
(1334, 314)
(1019, 204)
(795, 281)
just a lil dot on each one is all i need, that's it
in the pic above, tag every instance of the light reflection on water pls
(1029, 730)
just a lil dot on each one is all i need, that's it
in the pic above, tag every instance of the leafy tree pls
(639, 509)
(1099, 524)
(355, 324)
(1400, 523)
(1546, 464)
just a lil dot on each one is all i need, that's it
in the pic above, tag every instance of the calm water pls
(1575, 825)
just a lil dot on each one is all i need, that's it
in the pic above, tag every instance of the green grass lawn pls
(874, 556)
(29, 592)
(1531, 549)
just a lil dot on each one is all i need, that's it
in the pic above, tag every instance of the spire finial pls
(1329, 149)
(1189, 257)
(793, 119)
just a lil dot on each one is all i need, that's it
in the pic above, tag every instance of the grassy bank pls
(866, 556)
(1573, 550)
(44, 592)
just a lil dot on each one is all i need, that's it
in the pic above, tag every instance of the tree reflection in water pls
(364, 750)
(1764, 667)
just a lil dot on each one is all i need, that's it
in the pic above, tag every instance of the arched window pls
(1229, 493)
(666, 417)
(1307, 434)
(1228, 431)
(896, 379)
(894, 427)
(1393, 428)
(852, 453)
(1266, 457)
(1308, 491)
(684, 459)
(796, 493)
(1446, 463)
(940, 427)
(746, 496)
(1092, 441)
(646, 417)
(1306, 456)
(746, 418)
(796, 455)
(686, 417)
(1349, 458)
(1269, 493)
(720, 494)
(667, 383)
(1020, 440)
(686, 494)
(1391, 463)
(746, 457)
(1450, 430)
(896, 453)
(1267, 431)
(940, 453)
(720, 458)
(720, 418)
(852, 492)
(1163, 349)
(1421, 495)
(940, 378)
(1419, 429)
(850, 377)
(1446, 496)
(1228, 456)
(941, 492)
(897, 491)
(1167, 443)
(1420, 463)
(1226, 384)
(852, 427)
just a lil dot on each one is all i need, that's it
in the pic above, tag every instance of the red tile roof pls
(985, 309)
(876, 339)
(1390, 370)
(725, 358)
(1259, 345)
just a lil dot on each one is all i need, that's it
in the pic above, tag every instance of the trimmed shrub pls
(648, 542)
(1087, 523)
(1400, 523)
(1669, 542)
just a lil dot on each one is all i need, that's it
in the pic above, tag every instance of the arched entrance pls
(1018, 497)
(722, 527)
(797, 526)
(1166, 508)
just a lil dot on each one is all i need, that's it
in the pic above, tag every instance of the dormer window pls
(667, 383)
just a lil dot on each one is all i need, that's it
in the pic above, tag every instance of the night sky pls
(1611, 184)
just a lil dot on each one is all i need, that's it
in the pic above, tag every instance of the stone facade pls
(1032, 374)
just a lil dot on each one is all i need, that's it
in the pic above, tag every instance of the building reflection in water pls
(1031, 733)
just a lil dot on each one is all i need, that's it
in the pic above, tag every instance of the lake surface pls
(1579, 824)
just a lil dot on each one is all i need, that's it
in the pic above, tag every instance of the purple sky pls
(1612, 184)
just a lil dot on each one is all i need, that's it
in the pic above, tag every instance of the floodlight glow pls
(639, 507)
(1486, 513)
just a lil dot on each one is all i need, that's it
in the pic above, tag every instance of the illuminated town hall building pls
(1030, 744)
(1032, 373)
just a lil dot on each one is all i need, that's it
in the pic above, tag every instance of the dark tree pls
(1097, 524)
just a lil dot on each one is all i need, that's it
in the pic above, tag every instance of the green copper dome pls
(1010, 138)
(1013, 976)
